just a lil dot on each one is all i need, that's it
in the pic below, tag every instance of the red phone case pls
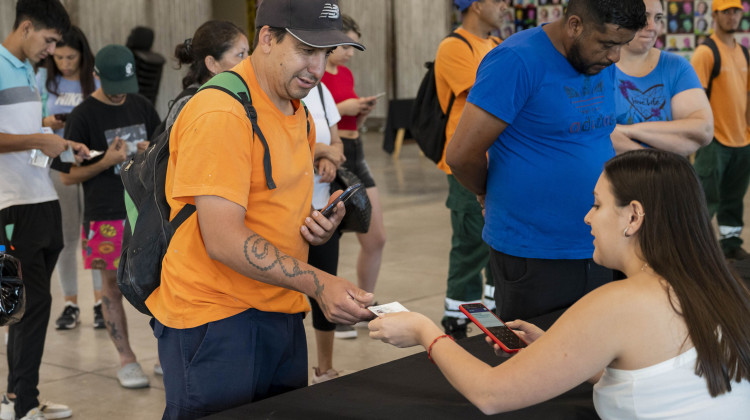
(487, 332)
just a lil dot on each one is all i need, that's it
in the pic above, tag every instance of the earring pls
(625, 232)
(641, 214)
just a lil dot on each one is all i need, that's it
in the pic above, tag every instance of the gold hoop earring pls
(625, 232)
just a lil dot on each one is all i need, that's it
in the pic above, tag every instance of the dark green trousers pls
(724, 173)
(469, 253)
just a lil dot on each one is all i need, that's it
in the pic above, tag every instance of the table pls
(407, 388)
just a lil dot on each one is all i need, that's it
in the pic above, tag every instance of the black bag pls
(358, 207)
(428, 120)
(12, 292)
(148, 229)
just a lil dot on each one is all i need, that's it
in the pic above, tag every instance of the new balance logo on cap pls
(330, 11)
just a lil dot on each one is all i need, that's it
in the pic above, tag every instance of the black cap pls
(316, 23)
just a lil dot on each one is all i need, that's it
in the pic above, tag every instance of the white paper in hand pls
(387, 308)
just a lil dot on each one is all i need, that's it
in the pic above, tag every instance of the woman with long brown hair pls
(672, 340)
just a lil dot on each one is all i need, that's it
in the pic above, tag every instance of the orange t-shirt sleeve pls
(703, 63)
(455, 63)
(213, 159)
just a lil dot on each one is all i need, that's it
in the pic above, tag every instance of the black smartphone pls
(496, 329)
(61, 117)
(346, 195)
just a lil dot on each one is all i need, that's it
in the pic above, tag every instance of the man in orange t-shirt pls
(724, 165)
(456, 66)
(229, 311)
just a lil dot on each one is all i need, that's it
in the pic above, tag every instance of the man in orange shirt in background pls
(456, 66)
(724, 165)
(229, 311)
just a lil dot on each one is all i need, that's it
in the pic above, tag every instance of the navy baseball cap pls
(463, 4)
(316, 23)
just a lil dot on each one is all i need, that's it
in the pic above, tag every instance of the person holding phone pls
(354, 111)
(65, 79)
(671, 339)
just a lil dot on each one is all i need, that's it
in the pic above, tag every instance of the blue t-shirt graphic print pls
(649, 98)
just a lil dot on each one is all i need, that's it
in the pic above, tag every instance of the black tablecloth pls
(408, 388)
(399, 116)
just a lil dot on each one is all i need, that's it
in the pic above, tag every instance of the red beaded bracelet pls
(429, 349)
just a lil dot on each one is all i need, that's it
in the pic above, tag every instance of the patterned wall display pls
(687, 22)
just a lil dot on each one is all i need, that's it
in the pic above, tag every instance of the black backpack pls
(716, 70)
(428, 120)
(148, 229)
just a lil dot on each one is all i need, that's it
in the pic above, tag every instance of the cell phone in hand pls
(346, 195)
(496, 329)
(61, 117)
(375, 98)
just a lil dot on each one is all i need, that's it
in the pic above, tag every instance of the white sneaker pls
(132, 376)
(47, 410)
(34, 414)
(158, 370)
(52, 411)
(7, 409)
(345, 331)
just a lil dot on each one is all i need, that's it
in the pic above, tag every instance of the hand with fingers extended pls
(341, 301)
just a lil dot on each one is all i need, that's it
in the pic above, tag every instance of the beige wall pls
(400, 35)
(110, 21)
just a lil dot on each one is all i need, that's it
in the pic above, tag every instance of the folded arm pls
(692, 126)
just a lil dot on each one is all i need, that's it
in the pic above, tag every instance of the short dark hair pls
(212, 38)
(43, 14)
(76, 40)
(677, 240)
(627, 14)
(278, 35)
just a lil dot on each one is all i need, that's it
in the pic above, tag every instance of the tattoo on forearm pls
(260, 250)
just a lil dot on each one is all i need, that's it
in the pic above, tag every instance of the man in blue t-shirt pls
(542, 108)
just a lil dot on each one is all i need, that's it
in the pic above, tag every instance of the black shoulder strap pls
(459, 36)
(247, 103)
(747, 54)
(182, 215)
(322, 102)
(716, 70)
(453, 97)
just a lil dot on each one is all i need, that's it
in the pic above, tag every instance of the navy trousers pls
(234, 361)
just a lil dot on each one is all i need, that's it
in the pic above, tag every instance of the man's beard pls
(576, 60)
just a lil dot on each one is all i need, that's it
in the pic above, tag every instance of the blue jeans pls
(230, 362)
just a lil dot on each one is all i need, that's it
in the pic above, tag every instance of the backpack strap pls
(322, 102)
(716, 70)
(453, 97)
(234, 85)
(182, 215)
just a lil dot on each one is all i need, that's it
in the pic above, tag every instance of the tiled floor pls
(79, 366)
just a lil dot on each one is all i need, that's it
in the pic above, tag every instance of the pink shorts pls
(101, 243)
